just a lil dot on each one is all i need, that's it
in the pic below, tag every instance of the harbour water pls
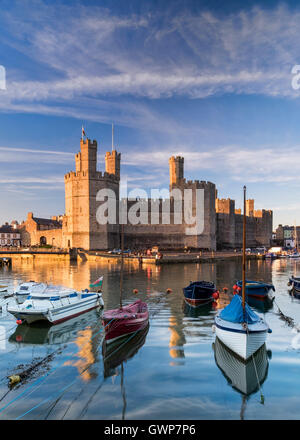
(174, 370)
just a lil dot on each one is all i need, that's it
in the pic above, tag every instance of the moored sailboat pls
(237, 326)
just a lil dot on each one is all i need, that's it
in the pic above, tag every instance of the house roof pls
(6, 229)
(47, 222)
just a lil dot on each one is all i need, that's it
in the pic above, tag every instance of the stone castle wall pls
(259, 225)
(80, 229)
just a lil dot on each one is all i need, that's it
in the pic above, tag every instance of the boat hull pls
(295, 284)
(199, 293)
(243, 343)
(254, 289)
(120, 322)
(119, 329)
(57, 314)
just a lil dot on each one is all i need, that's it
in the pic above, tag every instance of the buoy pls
(14, 379)
(19, 321)
(215, 295)
(135, 291)
(169, 290)
(19, 338)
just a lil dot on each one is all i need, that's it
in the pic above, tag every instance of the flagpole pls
(112, 137)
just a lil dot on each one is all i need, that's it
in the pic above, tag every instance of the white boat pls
(25, 289)
(237, 326)
(243, 338)
(295, 255)
(55, 304)
(3, 289)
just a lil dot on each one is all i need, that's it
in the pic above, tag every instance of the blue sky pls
(209, 80)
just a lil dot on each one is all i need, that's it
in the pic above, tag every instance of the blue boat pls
(255, 289)
(200, 292)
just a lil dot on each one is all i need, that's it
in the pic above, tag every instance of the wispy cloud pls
(193, 55)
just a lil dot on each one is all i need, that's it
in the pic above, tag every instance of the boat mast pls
(122, 265)
(244, 251)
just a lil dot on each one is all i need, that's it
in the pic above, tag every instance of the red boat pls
(125, 320)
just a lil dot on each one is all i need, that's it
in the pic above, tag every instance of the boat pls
(54, 305)
(3, 289)
(256, 289)
(294, 282)
(271, 256)
(244, 377)
(294, 255)
(237, 325)
(125, 319)
(261, 305)
(200, 292)
(25, 289)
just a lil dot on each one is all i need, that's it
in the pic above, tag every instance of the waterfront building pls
(9, 236)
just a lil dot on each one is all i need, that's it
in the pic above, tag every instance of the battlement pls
(195, 184)
(98, 175)
(113, 163)
(225, 206)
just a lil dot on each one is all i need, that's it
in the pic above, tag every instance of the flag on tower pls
(82, 132)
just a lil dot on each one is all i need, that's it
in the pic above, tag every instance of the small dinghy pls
(200, 292)
(55, 304)
(125, 320)
(25, 289)
(3, 289)
(256, 289)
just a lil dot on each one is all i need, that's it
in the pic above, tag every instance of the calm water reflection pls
(173, 370)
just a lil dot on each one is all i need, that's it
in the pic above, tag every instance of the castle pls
(79, 228)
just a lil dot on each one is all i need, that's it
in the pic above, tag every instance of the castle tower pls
(80, 227)
(86, 159)
(112, 163)
(250, 207)
(176, 165)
